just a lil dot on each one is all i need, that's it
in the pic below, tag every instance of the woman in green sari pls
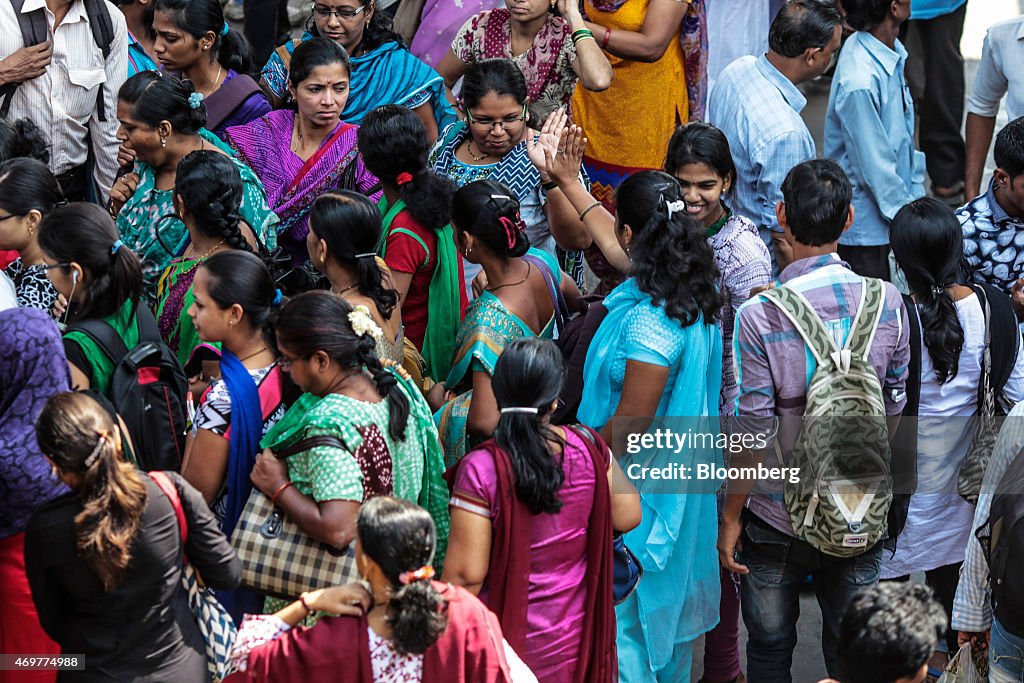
(207, 197)
(526, 295)
(162, 121)
(392, 445)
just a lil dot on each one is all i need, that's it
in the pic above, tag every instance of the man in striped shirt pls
(59, 83)
(773, 368)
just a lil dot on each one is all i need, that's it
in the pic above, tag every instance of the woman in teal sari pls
(383, 69)
(656, 362)
(525, 296)
(162, 120)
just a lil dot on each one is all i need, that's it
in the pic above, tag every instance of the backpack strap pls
(309, 443)
(1005, 337)
(171, 491)
(914, 378)
(34, 30)
(228, 98)
(806, 320)
(869, 313)
(104, 336)
(103, 35)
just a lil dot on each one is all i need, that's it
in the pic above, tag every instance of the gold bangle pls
(587, 210)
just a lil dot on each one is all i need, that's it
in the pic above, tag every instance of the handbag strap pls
(310, 443)
(985, 399)
(171, 491)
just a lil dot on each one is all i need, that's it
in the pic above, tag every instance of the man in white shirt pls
(59, 84)
(1001, 72)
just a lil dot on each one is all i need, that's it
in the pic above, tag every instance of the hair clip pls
(94, 454)
(511, 228)
(527, 410)
(277, 297)
(195, 99)
(403, 178)
(422, 574)
(224, 30)
(115, 246)
(673, 208)
(500, 196)
(369, 254)
(938, 290)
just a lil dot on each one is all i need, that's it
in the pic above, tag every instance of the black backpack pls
(34, 30)
(148, 391)
(1005, 527)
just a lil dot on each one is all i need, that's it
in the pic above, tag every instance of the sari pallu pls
(174, 294)
(292, 185)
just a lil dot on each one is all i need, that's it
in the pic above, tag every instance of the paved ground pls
(808, 664)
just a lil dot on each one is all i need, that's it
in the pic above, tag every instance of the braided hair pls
(319, 321)
(210, 188)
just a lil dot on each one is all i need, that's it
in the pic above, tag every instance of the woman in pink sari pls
(299, 154)
(440, 21)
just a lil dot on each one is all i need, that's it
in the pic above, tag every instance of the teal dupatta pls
(678, 598)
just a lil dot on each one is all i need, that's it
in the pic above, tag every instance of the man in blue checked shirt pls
(869, 130)
(756, 104)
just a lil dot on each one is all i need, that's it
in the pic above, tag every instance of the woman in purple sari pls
(440, 21)
(298, 154)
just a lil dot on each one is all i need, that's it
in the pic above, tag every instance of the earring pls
(163, 141)
(31, 231)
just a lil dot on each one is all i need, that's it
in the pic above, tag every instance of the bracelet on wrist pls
(581, 34)
(278, 492)
(584, 212)
(607, 38)
(305, 605)
(549, 185)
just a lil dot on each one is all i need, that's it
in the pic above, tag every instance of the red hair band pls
(421, 574)
(403, 178)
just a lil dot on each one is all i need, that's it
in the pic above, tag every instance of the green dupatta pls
(444, 303)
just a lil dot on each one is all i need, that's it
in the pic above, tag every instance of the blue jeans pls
(770, 596)
(1005, 656)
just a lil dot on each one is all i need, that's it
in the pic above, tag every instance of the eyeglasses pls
(8, 216)
(326, 12)
(487, 124)
(43, 266)
(286, 363)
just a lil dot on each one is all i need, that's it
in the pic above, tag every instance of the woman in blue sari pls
(383, 71)
(658, 354)
(525, 296)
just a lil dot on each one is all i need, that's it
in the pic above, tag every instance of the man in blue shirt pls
(869, 130)
(938, 26)
(756, 104)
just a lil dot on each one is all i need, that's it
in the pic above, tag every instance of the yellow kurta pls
(630, 123)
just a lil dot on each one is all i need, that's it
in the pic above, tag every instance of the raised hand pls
(564, 167)
(548, 140)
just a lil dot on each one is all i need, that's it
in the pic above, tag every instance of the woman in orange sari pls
(658, 53)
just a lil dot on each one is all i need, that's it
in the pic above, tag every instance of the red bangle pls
(302, 600)
(280, 489)
(607, 37)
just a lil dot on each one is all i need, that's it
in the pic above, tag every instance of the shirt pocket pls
(85, 83)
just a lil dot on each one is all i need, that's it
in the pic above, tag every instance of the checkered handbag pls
(279, 559)
(215, 623)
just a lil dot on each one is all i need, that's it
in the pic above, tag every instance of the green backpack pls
(842, 499)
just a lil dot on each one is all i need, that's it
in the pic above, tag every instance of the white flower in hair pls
(362, 323)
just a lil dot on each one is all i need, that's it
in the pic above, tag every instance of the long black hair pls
(318, 321)
(401, 538)
(210, 186)
(670, 255)
(238, 277)
(27, 185)
(199, 17)
(528, 374)
(21, 138)
(393, 141)
(375, 34)
(489, 211)
(155, 97)
(700, 143)
(85, 234)
(928, 245)
(351, 226)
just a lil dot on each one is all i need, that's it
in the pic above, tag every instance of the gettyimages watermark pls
(909, 455)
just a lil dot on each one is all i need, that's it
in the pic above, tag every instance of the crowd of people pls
(351, 357)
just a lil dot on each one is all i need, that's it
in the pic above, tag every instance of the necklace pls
(216, 81)
(253, 354)
(469, 149)
(513, 284)
(339, 292)
(209, 251)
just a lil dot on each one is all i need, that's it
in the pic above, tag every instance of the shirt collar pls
(889, 59)
(76, 12)
(806, 265)
(790, 92)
